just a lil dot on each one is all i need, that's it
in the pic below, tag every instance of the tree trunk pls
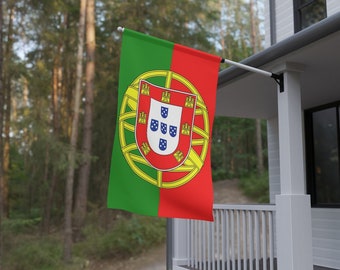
(73, 139)
(84, 173)
(1, 126)
(254, 43)
(55, 100)
(50, 197)
(259, 147)
(7, 115)
(6, 147)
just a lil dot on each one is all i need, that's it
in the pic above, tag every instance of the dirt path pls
(226, 191)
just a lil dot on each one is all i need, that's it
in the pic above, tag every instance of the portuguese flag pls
(161, 153)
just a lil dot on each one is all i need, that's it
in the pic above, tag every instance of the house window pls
(323, 151)
(308, 12)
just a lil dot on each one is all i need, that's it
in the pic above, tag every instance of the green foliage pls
(34, 254)
(15, 226)
(219, 174)
(31, 252)
(26, 249)
(127, 237)
(256, 187)
(180, 21)
(39, 148)
(15, 235)
(233, 148)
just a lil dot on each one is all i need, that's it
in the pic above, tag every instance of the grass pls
(126, 238)
(29, 251)
(25, 248)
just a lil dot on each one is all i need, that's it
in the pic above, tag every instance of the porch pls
(256, 237)
(289, 234)
(242, 237)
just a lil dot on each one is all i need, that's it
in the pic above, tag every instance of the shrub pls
(256, 187)
(25, 249)
(128, 237)
(219, 174)
(20, 225)
(33, 253)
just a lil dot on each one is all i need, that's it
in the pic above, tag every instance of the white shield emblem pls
(164, 125)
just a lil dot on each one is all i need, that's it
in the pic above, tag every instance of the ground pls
(226, 191)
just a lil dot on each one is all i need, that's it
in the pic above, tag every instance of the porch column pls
(293, 211)
(180, 243)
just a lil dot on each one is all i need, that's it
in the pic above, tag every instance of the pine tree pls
(84, 170)
(74, 137)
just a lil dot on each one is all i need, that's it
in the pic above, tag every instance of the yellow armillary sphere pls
(199, 143)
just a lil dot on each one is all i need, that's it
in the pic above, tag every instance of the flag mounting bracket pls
(277, 77)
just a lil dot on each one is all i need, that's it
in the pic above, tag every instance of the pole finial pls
(120, 29)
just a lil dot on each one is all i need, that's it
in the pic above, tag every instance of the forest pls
(59, 66)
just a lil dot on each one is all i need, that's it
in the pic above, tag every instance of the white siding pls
(326, 237)
(333, 6)
(284, 19)
(284, 10)
(273, 158)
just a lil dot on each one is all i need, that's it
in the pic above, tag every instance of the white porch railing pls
(241, 237)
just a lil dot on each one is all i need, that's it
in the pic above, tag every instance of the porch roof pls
(245, 94)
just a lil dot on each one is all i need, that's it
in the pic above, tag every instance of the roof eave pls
(305, 37)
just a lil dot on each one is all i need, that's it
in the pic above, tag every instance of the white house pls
(300, 229)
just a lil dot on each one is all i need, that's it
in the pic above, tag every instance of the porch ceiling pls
(251, 95)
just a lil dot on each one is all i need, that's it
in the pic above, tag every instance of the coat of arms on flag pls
(161, 154)
(164, 125)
